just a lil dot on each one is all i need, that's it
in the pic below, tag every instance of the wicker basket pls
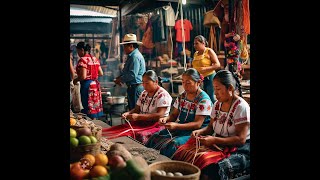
(76, 153)
(96, 130)
(189, 171)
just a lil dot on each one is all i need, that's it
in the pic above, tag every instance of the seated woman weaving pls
(153, 103)
(222, 149)
(191, 111)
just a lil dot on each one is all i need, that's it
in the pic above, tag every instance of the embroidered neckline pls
(229, 116)
(145, 100)
(192, 102)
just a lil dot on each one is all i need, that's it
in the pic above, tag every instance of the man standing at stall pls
(133, 70)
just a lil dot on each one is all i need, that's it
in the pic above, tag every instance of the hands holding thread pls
(168, 125)
(171, 125)
(163, 120)
(207, 140)
(132, 117)
(196, 133)
(124, 115)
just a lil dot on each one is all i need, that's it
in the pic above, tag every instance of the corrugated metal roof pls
(75, 11)
(89, 19)
(110, 10)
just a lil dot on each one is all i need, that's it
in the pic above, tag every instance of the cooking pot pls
(115, 99)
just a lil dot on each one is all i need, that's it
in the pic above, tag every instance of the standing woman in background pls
(206, 62)
(88, 70)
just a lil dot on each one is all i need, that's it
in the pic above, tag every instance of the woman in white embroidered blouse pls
(226, 140)
(154, 102)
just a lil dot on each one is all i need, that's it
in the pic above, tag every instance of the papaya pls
(138, 168)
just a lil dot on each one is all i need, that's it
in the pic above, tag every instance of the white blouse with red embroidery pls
(225, 122)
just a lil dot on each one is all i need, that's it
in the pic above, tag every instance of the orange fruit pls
(90, 157)
(73, 121)
(86, 174)
(101, 159)
(76, 172)
(98, 171)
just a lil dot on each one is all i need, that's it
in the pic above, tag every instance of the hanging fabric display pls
(147, 37)
(187, 28)
(212, 41)
(246, 16)
(169, 16)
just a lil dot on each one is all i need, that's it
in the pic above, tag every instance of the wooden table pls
(129, 142)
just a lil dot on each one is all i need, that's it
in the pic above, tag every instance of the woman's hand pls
(171, 125)
(124, 115)
(207, 140)
(133, 117)
(196, 133)
(202, 70)
(163, 121)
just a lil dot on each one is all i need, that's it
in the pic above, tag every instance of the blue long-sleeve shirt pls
(134, 68)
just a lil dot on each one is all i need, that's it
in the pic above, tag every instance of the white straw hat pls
(130, 38)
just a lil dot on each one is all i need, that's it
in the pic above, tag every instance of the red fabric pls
(143, 130)
(246, 16)
(92, 65)
(94, 98)
(205, 156)
(187, 28)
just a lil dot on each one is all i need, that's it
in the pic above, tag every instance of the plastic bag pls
(76, 98)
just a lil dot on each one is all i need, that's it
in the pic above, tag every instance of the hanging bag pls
(210, 19)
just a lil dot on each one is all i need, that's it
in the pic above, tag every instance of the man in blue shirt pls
(133, 70)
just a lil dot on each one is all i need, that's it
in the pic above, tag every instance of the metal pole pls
(120, 32)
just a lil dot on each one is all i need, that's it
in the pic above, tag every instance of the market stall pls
(168, 50)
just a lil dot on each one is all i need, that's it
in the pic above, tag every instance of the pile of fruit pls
(77, 120)
(90, 166)
(81, 136)
(85, 137)
(116, 164)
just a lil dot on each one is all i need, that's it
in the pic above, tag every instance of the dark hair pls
(202, 39)
(228, 78)
(151, 75)
(193, 73)
(82, 45)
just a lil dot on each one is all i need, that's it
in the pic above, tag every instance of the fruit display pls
(103, 167)
(82, 142)
(81, 136)
(80, 120)
(93, 157)
(73, 121)
(85, 136)
(90, 167)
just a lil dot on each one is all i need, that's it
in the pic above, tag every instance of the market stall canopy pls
(134, 6)
(84, 21)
